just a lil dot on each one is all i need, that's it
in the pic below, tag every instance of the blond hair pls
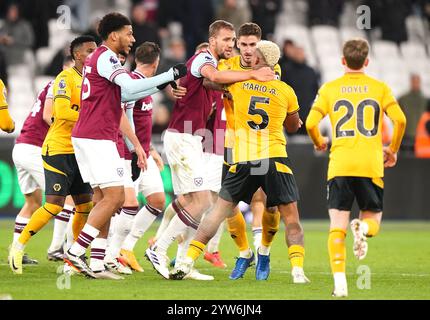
(270, 52)
(355, 52)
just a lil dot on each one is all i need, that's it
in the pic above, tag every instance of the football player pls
(355, 104)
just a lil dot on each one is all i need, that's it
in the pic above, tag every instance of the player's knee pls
(56, 200)
(202, 200)
(294, 228)
(84, 208)
(158, 203)
(157, 200)
(33, 203)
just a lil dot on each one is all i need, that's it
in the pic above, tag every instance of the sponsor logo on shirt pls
(146, 106)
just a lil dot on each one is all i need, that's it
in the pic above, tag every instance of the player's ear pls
(366, 62)
(114, 36)
(343, 61)
(211, 41)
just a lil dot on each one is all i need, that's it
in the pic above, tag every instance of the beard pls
(224, 55)
(122, 51)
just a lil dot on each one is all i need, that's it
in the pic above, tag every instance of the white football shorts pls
(184, 153)
(29, 166)
(99, 162)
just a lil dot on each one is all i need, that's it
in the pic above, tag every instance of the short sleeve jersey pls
(101, 111)
(191, 113)
(67, 92)
(234, 63)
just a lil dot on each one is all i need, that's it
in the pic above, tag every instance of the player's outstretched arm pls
(231, 76)
(135, 89)
(395, 113)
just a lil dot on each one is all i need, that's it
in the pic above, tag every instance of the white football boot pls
(299, 275)
(340, 285)
(159, 262)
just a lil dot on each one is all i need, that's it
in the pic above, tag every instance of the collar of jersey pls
(77, 71)
(242, 66)
(139, 74)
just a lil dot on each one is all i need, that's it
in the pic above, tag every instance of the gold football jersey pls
(67, 96)
(260, 109)
(234, 63)
(355, 104)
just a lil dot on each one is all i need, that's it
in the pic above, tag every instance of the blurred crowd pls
(179, 26)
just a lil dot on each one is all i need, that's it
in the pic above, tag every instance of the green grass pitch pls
(398, 264)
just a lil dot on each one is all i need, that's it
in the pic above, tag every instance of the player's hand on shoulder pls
(300, 123)
(324, 144)
(390, 157)
(179, 70)
(263, 74)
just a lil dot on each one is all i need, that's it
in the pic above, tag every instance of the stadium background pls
(399, 37)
